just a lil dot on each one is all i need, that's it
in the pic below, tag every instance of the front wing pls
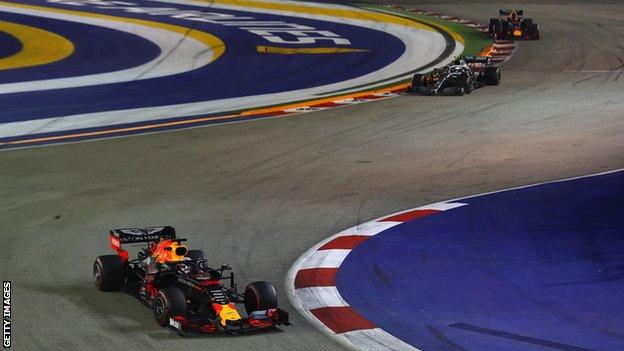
(257, 321)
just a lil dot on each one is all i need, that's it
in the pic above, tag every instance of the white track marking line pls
(372, 228)
(178, 54)
(442, 206)
(376, 340)
(422, 46)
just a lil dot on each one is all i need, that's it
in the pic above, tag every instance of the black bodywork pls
(202, 290)
(454, 79)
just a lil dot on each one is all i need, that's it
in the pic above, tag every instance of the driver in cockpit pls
(459, 65)
(163, 253)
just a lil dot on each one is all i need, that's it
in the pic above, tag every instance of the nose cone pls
(228, 313)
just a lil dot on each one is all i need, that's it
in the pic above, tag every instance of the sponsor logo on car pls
(175, 324)
(115, 243)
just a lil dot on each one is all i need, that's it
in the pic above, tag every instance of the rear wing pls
(138, 235)
(118, 237)
(507, 12)
(478, 60)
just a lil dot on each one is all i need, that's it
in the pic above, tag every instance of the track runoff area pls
(531, 268)
(150, 66)
(412, 280)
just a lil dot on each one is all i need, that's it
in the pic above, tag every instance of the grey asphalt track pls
(258, 194)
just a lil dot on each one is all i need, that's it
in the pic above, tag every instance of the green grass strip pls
(474, 40)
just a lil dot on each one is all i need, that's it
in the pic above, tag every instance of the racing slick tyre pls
(108, 271)
(526, 24)
(260, 296)
(417, 82)
(505, 32)
(492, 76)
(494, 24)
(469, 87)
(498, 30)
(196, 255)
(170, 302)
(533, 31)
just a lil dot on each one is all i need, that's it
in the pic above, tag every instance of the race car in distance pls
(184, 294)
(512, 25)
(460, 77)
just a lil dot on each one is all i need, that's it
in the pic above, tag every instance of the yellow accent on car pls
(228, 313)
(39, 47)
(293, 51)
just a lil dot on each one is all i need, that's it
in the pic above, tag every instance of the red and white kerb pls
(312, 288)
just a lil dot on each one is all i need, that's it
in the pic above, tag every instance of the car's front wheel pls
(260, 296)
(469, 85)
(418, 81)
(169, 303)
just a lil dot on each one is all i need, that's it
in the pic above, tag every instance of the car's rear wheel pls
(498, 30)
(169, 303)
(108, 271)
(505, 30)
(492, 76)
(533, 30)
(494, 24)
(260, 296)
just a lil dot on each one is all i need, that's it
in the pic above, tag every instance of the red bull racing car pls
(511, 25)
(184, 293)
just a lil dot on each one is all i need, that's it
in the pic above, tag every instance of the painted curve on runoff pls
(224, 78)
(241, 78)
(535, 268)
(9, 45)
(97, 50)
(180, 50)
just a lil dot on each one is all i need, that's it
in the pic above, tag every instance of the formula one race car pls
(463, 75)
(183, 292)
(512, 25)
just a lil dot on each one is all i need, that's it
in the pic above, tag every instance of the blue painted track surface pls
(9, 46)
(96, 50)
(538, 268)
(255, 73)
